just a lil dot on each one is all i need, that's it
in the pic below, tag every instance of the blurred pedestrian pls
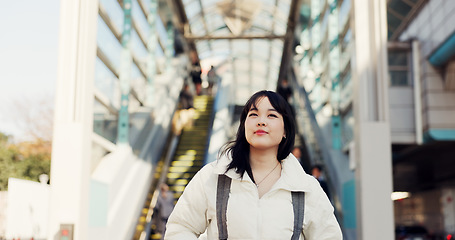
(186, 98)
(316, 171)
(212, 79)
(285, 90)
(195, 72)
(297, 153)
(162, 210)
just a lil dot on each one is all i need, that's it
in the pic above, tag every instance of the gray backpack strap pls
(298, 203)
(222, 196)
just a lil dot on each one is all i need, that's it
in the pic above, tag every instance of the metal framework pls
(239, 27)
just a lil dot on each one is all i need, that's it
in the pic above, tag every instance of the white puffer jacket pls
(248, 216)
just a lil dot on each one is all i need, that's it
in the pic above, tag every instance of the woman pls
(260, 202)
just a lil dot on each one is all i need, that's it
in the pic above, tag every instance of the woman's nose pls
(261, 123)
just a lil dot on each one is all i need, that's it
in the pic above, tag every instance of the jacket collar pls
(293, 177)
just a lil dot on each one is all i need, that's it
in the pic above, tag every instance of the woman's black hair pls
(240, 148)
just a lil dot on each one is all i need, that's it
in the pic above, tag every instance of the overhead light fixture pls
(400, 195)
(238, 15)
(299, 49)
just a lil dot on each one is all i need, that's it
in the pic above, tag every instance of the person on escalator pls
(212, 78)
(162, 210)
(285, 90)
(256, 189)
(316, 171)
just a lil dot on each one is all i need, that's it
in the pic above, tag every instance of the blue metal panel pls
(349, 205)
(336, 132)
(444, 53)
(439, 135)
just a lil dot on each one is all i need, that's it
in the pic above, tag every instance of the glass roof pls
(399, 14)
(245, 35)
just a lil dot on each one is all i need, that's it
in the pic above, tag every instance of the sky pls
(28, 58)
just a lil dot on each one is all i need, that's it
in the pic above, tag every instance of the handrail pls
(121, 181)
(321, 153)
(170, 153)
(210, 130)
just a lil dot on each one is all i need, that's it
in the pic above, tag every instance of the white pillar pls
(71, 151)
(417, 91)
(372, 127)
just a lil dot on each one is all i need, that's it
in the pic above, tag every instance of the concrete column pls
(417, 91)
(73, 119)
(372, 127)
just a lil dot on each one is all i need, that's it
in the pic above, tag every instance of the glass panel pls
(398, 68)
(134, 105)
(347, 126)
(345, 79)
(104, 122)
(115, 12)
(240, 47)
(146, 5)
(140, 19)
(280, 28)
(242, 65)
(346, 40)
(162, 33)
(192, 9)
(107, 83)
(214, 22)
(138, 47)
(108, 44)
(138, 82)
(283, 6)
(325, 21)
(259, 69)
(197, 26)
(399, 78)
(398, 58)
(159, 51)
(344, 12)
(208, 3)
(261, 48)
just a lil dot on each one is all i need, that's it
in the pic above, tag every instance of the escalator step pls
(179, 182)
(191, 169)
(186, 163)
(177, 188)
(179, 175)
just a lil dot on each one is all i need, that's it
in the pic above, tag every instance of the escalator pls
(184, 157)
(190, 153)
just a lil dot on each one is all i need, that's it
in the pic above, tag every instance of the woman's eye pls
(252, 114)
(273, 115)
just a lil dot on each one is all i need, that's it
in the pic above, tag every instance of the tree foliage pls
(25, 160)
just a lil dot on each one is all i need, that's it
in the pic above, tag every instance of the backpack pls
(222, 197)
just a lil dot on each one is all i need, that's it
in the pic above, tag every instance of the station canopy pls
(249, 39)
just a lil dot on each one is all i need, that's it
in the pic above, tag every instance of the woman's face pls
(264, 126)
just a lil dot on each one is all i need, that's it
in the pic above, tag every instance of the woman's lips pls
(260, 132)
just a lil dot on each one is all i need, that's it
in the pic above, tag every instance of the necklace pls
(257, 184)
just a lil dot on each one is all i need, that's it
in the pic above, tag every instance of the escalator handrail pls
(333, 175)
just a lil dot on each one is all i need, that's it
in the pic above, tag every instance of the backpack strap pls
(222, 196)
(298, 203)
